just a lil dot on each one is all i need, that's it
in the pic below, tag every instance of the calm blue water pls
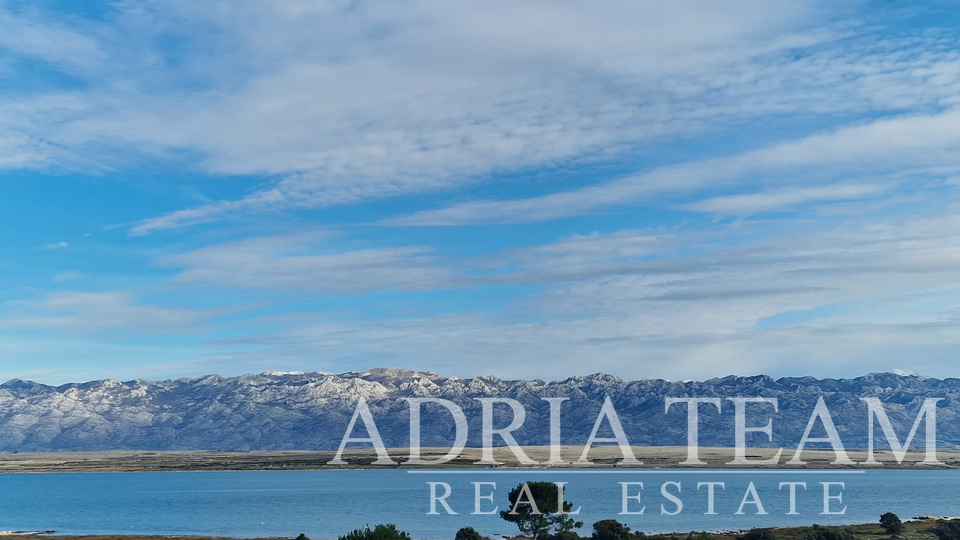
(326, 504)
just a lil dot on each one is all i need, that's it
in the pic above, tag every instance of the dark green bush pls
(302, 537)
(947, 530)
(563, 535)
(611, 529)
(828, 533)
(380, 532)
(758, 534)
(468, 533)
(891, 523)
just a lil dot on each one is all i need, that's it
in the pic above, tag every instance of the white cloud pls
(114, 311)
(342, 103)
(45, 39)
(67, 275)
(302, 263)
(784, 198)
(471, 345)
(791, 298)
(880, 147)
(335, 102)
(785, 297)
(56, 245)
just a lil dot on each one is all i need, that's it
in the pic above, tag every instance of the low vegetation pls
(829, 533)
(468, 533)
(380, 532)
(611, 529)
(544, 524)
(758, 534)
(947, 530)
(891, 523)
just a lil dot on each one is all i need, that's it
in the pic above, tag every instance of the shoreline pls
(602, 457)
(914, 529)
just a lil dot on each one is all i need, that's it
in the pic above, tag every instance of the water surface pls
(327, 504)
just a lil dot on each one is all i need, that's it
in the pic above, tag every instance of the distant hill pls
(276, 411)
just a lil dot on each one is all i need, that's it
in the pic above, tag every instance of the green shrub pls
(891, 523)
(828, 533)
(302, 537)
(947, 530)
(563, 535)
(758, 534)
(468, 533)
(611, 529)
(380, 532)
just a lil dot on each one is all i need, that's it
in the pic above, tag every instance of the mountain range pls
(310, 411)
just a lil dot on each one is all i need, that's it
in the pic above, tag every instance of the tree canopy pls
(535, 509)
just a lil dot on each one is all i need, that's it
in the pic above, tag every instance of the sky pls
(524, 188)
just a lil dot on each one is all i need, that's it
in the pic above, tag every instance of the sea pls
(327, 504)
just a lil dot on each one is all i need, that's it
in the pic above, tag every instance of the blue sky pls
(528, 189)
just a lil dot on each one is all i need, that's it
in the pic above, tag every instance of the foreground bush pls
(947, 530)
(611, 529)
(380, 532)
(468, 533)
(828, 533)
(758, 534)
(562, 535)
(891, 523)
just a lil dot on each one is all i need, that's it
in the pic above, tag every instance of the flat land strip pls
(913, 530)
(601, 456)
